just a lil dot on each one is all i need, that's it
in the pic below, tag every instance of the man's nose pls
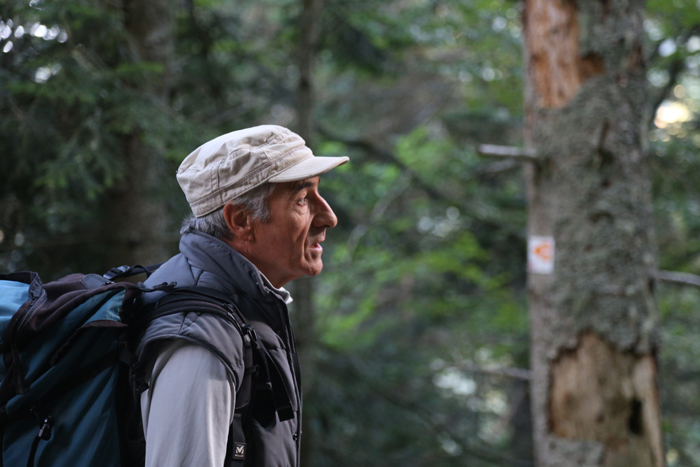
(324, 215)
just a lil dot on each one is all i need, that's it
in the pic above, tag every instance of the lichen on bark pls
(590, 191)
(600, 215)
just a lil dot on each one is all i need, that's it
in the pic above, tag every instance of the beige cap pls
(233, 164)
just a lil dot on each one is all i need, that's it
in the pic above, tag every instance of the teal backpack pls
(64, 357)
(70, 384)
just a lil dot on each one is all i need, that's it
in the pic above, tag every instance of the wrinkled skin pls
(288, 245)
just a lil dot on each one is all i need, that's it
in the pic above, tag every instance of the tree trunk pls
(593, 316)
(305, 324)
(137, 215)
(520, 421)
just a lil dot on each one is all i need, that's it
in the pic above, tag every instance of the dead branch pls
(497, 167)
(680, 278)
(511, 152)
(508, 372)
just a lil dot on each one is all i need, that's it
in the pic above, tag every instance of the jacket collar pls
(233, 269)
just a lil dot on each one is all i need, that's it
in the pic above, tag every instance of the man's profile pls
(258, 222)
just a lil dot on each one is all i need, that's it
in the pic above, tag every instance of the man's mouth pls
(316, 245)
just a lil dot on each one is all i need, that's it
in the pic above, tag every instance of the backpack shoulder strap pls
(236, 446)
(262, 392)
(212, 301)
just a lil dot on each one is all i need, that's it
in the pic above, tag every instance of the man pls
(258, 222)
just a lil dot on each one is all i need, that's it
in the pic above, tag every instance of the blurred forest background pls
(418, 350)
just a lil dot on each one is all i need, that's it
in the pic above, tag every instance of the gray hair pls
(214, 224)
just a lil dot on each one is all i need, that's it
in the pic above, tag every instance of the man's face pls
(288, 246)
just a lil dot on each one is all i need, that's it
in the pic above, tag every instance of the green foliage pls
(674, 75)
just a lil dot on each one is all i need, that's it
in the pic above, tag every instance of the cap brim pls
(308, 168)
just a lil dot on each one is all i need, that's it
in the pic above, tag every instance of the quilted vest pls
(208, 262)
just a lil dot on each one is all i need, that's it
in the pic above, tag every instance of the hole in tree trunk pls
(591, 65)
(635, 423)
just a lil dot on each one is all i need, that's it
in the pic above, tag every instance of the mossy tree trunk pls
(594, 388)
(136, 210)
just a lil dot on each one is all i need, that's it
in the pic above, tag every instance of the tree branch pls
(386, 156)
(680, 278)
(381, 154)
(511, 152)
(377, 212)
(508, 372)
(497, 167)
(438, 426)
(674, 70)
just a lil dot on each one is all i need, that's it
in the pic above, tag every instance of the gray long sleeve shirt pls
(190, 398)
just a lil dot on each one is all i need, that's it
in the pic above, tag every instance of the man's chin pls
(314, 269)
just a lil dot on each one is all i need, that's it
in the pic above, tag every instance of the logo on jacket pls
(239, 450)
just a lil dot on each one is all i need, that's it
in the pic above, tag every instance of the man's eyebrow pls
(301, 185)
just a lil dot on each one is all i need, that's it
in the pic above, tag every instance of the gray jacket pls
(208, 262)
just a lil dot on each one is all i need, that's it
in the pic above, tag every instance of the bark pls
(308, 29)
(593, 350)
(306, 336)
(306, 341)
(520, 421)
(137, 216)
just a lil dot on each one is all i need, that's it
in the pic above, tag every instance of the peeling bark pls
(552, 34)
(594, 394)
(601, 394)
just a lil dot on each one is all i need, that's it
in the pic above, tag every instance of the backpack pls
(70, 384)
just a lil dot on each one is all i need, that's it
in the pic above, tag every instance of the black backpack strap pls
(272, 375)
(202, 293)
(262, 392)
(127, 271)
(273, 387)
(236, 448)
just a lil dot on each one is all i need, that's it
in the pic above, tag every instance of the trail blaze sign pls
(540, 255)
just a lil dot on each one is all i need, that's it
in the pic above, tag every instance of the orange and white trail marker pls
(540, 255)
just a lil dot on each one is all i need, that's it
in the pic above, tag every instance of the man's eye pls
(303, 201)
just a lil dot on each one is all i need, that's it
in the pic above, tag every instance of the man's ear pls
(239, 222)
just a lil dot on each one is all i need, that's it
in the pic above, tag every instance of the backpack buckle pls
(249, 331)
(45, 430)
